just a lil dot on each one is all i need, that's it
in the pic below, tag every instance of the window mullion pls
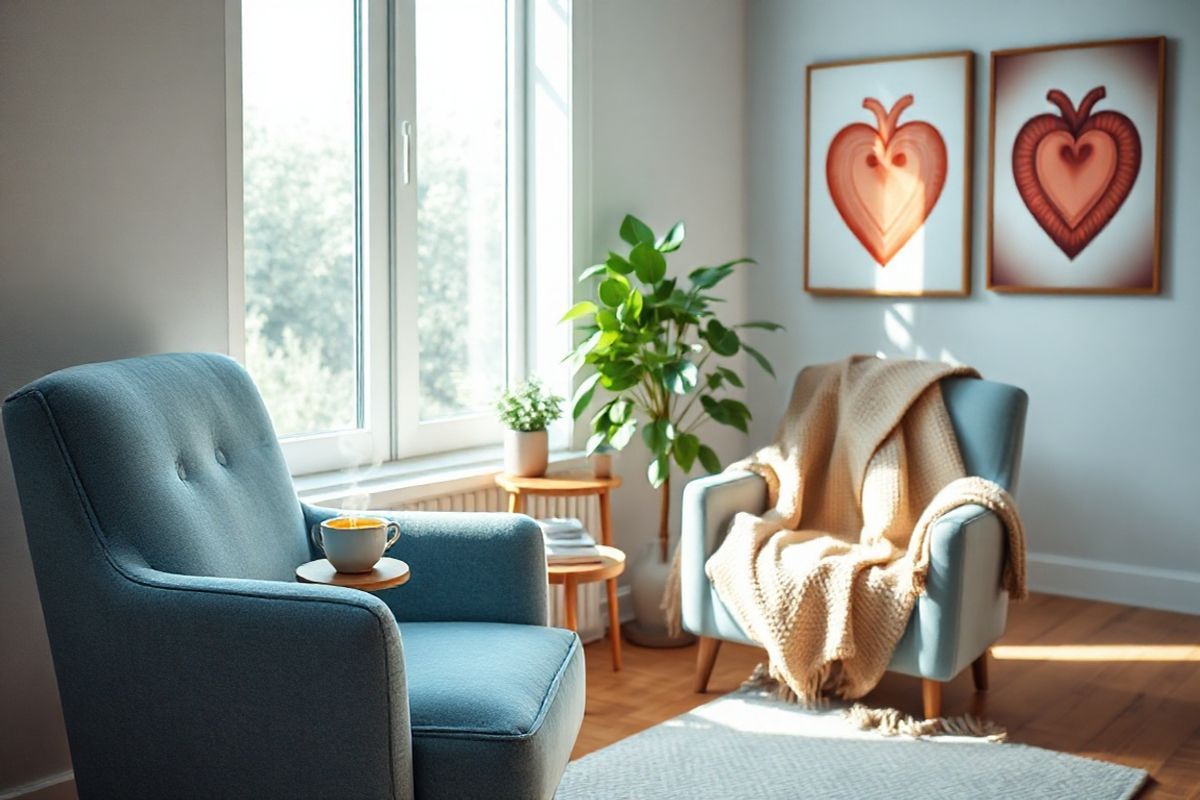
(403, 224)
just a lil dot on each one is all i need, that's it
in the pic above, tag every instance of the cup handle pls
(393, 535)
(315, 535)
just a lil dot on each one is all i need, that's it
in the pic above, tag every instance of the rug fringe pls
(891, 722)
(885, 721)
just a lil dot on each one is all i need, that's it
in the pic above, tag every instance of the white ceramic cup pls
(355, 544)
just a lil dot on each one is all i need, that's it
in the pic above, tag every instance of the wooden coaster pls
(387, 573)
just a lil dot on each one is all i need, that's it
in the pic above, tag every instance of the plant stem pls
(664, 517)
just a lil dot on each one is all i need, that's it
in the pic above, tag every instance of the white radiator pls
(591, 621)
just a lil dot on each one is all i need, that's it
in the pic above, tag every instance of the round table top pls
(387, 573)
(612, 565)
(563, 483)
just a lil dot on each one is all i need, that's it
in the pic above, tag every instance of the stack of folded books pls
(568, 542)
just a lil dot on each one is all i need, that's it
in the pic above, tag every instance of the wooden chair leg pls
(979, 671)
(706, 657)
(931, 695)
(614, 625)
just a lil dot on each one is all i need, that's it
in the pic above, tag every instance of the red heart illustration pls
(884, 181)
(1075, 170)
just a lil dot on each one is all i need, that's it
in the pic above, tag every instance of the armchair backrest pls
(989, 422)
(171, 456)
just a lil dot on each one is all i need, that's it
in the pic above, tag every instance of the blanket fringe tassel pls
(885, 721)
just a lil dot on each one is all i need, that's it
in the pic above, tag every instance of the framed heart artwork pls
(1076, 168)
(888, 176)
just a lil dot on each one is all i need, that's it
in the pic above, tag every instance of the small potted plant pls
(526, 411)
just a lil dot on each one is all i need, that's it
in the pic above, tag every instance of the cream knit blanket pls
(864, 463)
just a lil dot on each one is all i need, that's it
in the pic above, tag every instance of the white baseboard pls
(1149, 587)
(29, 790)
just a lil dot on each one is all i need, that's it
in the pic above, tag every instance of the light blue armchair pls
(164, 531)
(964, 609)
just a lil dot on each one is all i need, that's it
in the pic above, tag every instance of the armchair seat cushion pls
(494, 707)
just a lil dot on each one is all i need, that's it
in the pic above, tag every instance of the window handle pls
(406, 150)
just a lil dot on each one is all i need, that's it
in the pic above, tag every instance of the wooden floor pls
(1106, 681)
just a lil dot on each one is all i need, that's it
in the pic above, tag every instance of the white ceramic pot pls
(602, 464)
(648, 577)
(526, 453)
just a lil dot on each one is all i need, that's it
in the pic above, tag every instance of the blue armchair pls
(964, 608)
(164, 531)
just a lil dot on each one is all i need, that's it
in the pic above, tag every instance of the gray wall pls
(1110, 466)
(112, 221)
(112, 243)
(668, 143)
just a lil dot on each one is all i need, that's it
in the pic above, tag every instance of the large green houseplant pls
(653, 343)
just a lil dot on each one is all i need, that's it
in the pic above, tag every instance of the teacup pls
(355, 544)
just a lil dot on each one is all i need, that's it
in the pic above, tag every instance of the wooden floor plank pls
(1139, 705)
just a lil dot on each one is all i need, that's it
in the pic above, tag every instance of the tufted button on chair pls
(964, 608)
(165, 531)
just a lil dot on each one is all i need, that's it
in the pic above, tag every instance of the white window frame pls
(390, 428)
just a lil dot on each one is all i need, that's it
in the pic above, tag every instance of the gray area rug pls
(748, 745)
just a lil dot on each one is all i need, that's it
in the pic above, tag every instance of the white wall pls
(112, 243)
(1110, 471)
(668, 143)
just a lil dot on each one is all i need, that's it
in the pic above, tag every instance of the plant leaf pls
(618, 264)
(575, 358)
(631, 310)
(621, 381)
(622, 435)
(663, 291)
(687, 447)
(672, 240)
(594, 269)
(760, 358)
(595, 440)
(707, 277)
(613, 292)
(658, 471)
(722, 340)
(578, 310)
(727, 412)
(709, 460)
(583, 395)
(658, 435)
(600, 420)
(634, 231)
(680, 376)
(607, 320)
(606, 340)
(761, 323)
(619, 410)
(729, 374)
(648, 263)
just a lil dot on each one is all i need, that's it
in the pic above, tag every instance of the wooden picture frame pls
(1065, 215)
(863, 216)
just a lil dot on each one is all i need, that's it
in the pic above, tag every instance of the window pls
(300, 140)
(392, 279)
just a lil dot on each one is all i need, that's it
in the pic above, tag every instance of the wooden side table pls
(387, 573)
(578, 485)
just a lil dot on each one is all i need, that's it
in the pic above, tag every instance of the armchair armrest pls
(965, 607)
(465, 566)
(709, 505)
(249, 688)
